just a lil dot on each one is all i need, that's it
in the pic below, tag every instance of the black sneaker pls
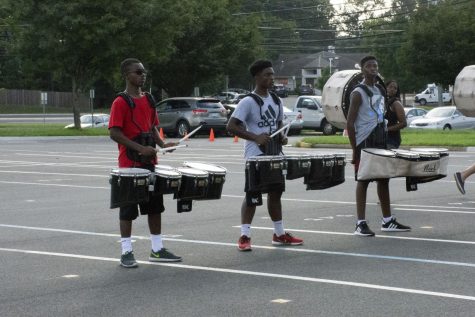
(163, 255)
(460, 183)
(127, 260)
(393, 225)
(362, 229)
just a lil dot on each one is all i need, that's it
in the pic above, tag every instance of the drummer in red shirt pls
(133, 125)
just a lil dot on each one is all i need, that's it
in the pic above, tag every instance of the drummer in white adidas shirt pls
(253, 122)
(365, 117)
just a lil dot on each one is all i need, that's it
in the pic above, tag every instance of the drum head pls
(380, 152)
(167, 172)
(206, 167)
(297, 157)
(165, 167)
(405, 153)
(187, 171)
(266, 158)
(130, 172)
(427, 149)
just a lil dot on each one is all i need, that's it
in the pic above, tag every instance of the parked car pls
(413, 114)
(180, 115)
(446, 118)
(297, 118)
(312, 111)
(92, 121)
(306, 90)
(227, 96)
(280, 90)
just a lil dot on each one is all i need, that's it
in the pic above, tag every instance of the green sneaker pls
(128, 260)
(163, 255)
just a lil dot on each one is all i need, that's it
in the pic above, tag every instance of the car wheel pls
(182, 128)
(423, 101)
(447, 127)
(328, 128)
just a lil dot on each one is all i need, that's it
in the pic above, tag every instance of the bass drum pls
(336, 95)
(464, 91)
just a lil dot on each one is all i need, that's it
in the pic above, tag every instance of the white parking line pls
(279, 248)
(375, 237)
(255, 273)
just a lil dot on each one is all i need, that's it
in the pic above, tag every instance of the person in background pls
(460, 177)
(395, 115)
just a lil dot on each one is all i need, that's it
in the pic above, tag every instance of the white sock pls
(157, 243)
(126, 244)
(387, 219)
(246, 229)
(360, 221)
(279, 228)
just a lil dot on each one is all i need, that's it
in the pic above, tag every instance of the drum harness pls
(144, 138)
(274, 147)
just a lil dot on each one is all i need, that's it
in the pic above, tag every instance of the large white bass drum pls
(464, 91)
(336, 95)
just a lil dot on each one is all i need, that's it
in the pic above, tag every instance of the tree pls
(84, 39)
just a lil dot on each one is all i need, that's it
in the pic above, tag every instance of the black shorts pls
(254, 198)
(153, 206)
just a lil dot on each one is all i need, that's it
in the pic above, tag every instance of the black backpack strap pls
(365, 89)
(151, 100)
(256, 98)
(127, 99)
(131, 103)
(276, 98)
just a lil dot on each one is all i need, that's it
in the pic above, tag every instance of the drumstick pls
(280, 130)
(190, 134)
(171, 148)
(288, 128)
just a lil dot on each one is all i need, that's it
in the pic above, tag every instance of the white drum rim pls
(169, 173)
(266, 158)
(430, 149)
(210, 168)
(188, 171)
(128, 172)
(405, 153)
(379, 152)
(164, 167)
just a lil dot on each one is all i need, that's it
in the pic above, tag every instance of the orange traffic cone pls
(236, 139)
(211, 135)
(162, 136)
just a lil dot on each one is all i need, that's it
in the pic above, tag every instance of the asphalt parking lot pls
(60, 246)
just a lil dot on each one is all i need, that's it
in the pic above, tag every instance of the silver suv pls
(178, 116)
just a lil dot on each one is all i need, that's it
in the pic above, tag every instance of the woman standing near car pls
(395, 115)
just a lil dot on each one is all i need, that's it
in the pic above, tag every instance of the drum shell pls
(464, 91)
(264, 173)
(193, 186)
(377, 164)
(321, 172)
(429, 164)
(338, 172)
(166, 183)
(129, 189)
(336, 95)
(216, 179)
(298, 166)
(405, 159)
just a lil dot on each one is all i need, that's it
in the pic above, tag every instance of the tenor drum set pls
(192, 181)
(319, 171)
(418, 165)
(204, 181)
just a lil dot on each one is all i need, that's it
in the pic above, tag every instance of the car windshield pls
(86, 119)
(440, 113)
(209, 104)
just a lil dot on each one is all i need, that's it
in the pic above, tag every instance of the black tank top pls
(391, 116)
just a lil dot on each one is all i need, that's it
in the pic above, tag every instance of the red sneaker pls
(244, 243)
(286, 239)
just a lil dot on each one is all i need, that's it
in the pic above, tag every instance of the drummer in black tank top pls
(395, 115)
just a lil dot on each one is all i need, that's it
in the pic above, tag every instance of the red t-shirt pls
(129, 120)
